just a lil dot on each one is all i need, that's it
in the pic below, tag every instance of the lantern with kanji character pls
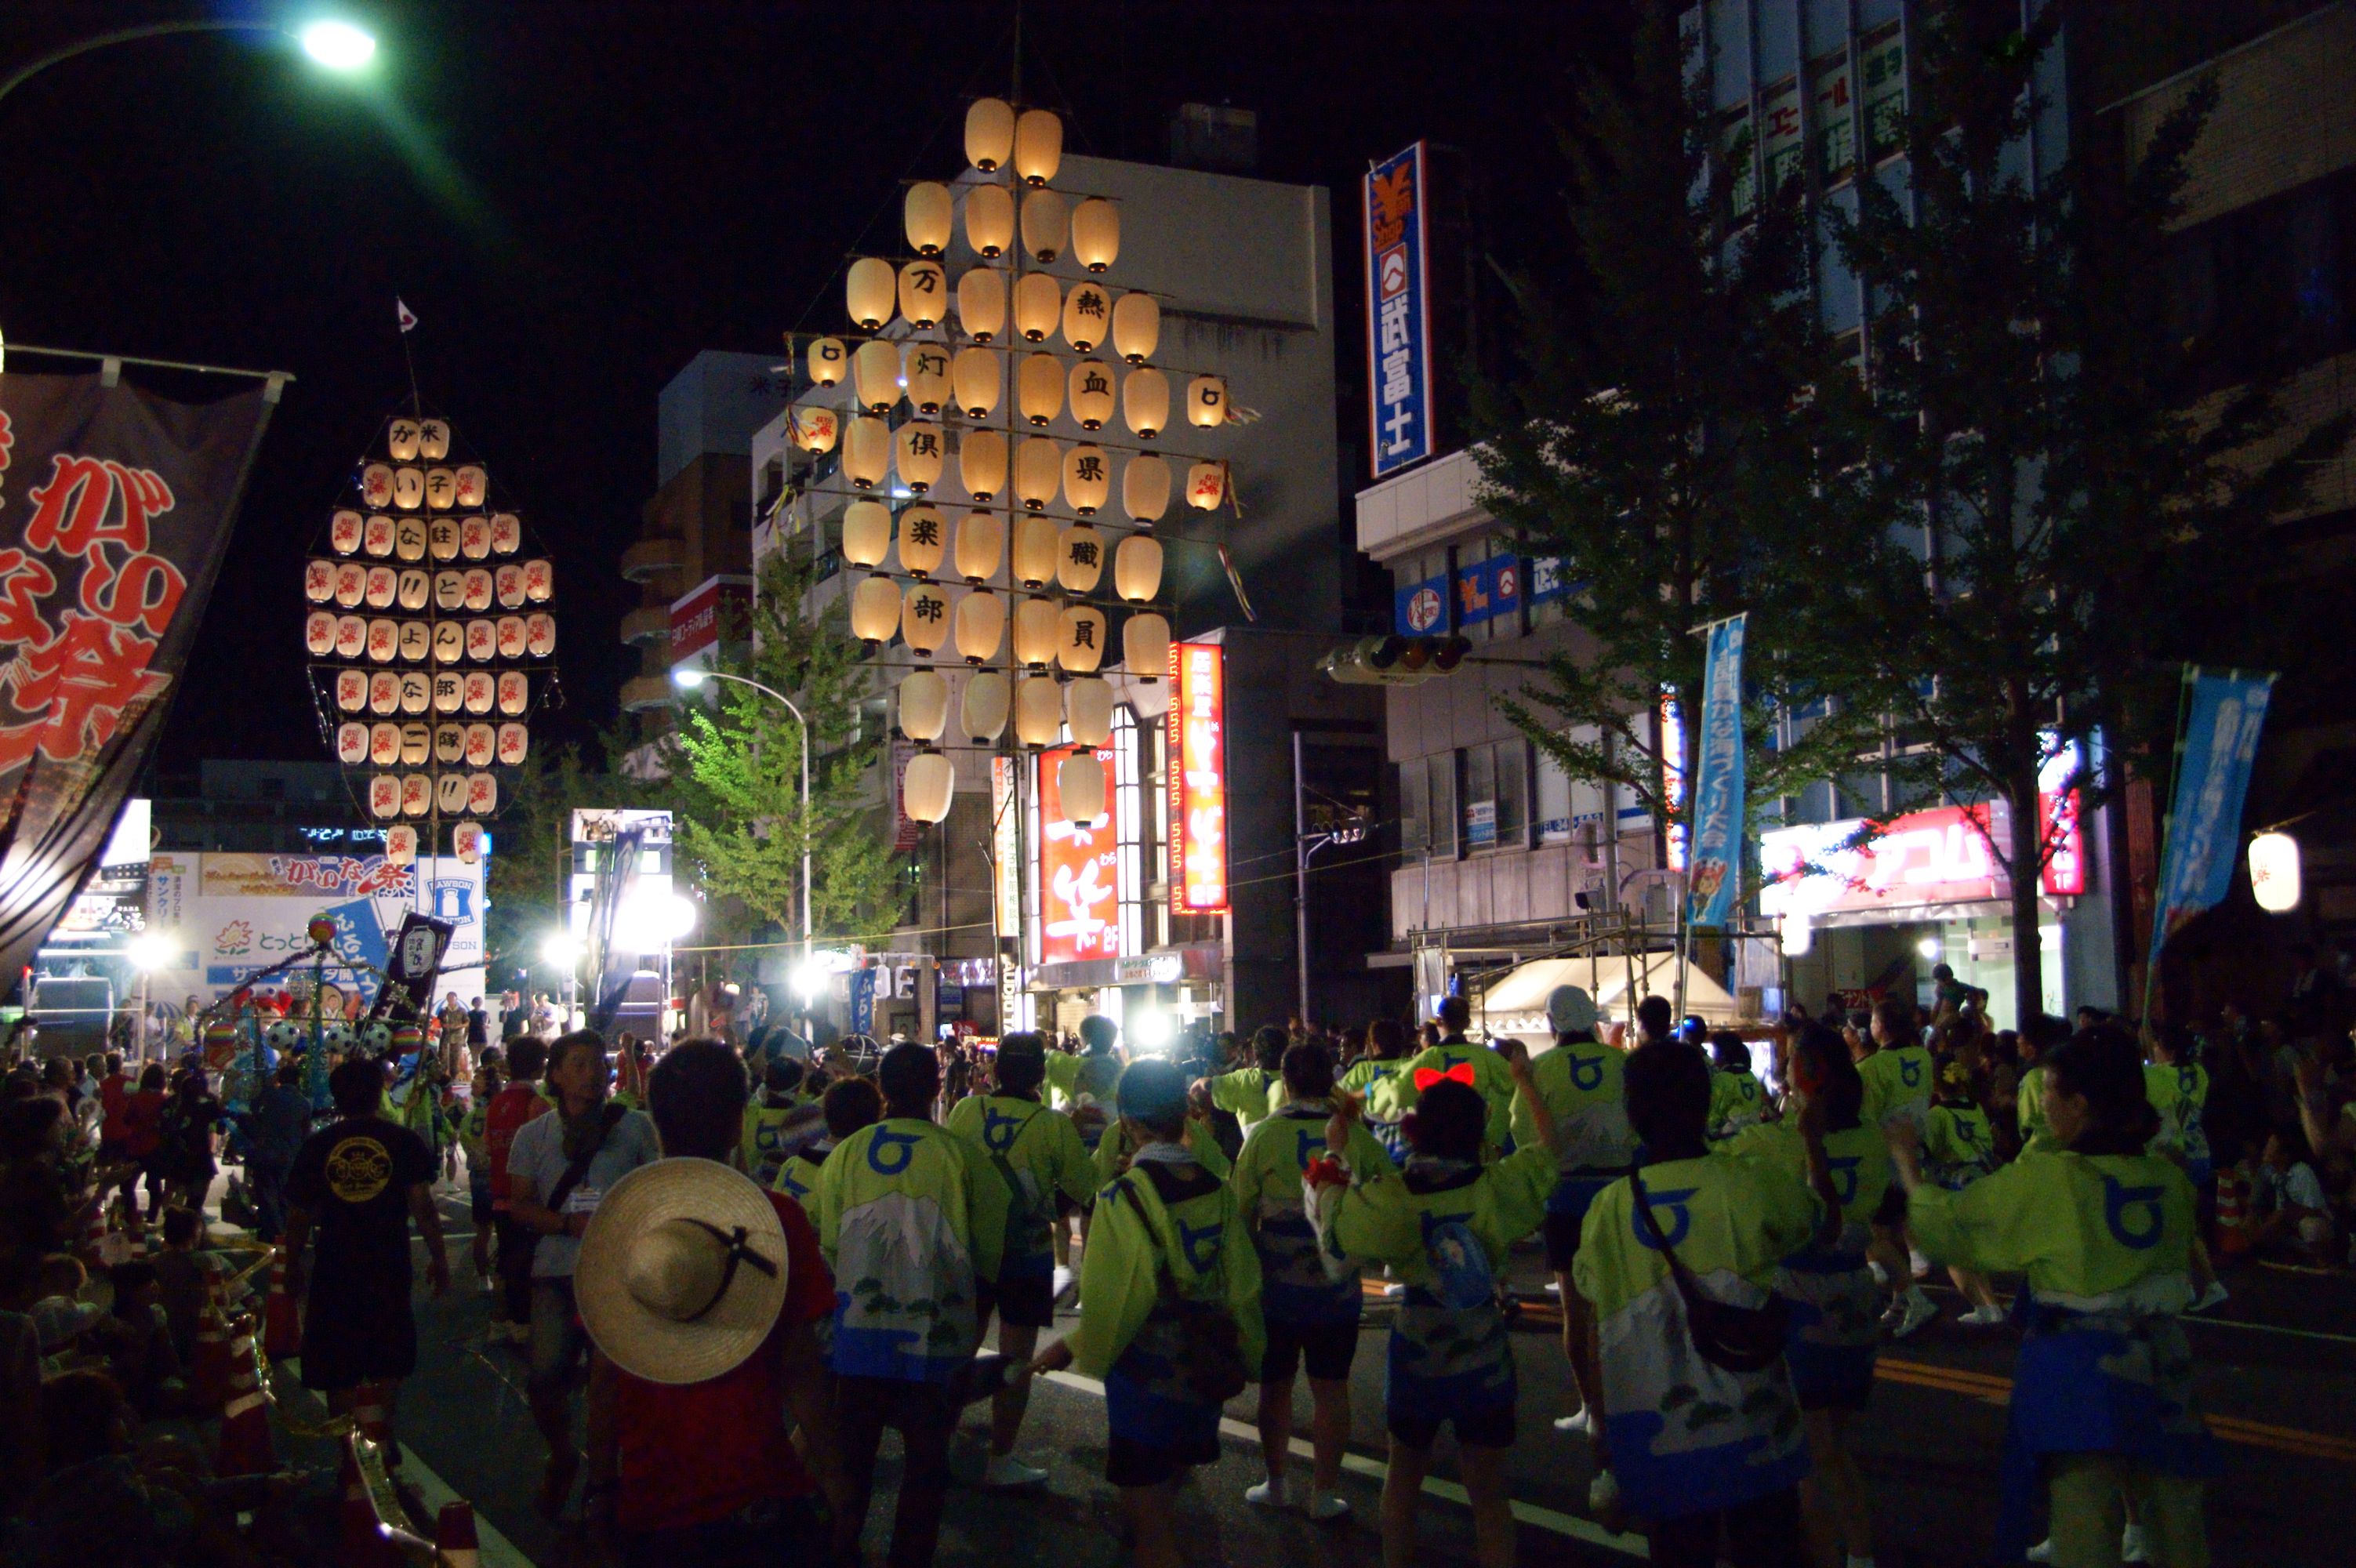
(1080, 647)
(1034, 550)
(875, 375)
(924, 704)
(1038, 145)
(1079, 787)
(1207, 401)
(924, 293)
(926, 213)
(1087, 710)
(925, 618)
(975, 380)
(1136, 326)
(400, 440)
(1137, 568)
(1038, 306)
(1090, 392)
(867, 452)
(1145, 646)
(875, 610)
(1046, 225)
(1039, 387)
(433, 439)
(927, 787)
(924, 540)
(815, 429)
(980, 538)
(1096, 233)
(870, 290)
(1037, 625)
(989, 133)
(917, 451)
(1088, 479)
(980, 625)
(981, 303)
(1145, 402)
(924, 367)
(988, 220)
(826, 359)
(1079, 557)
(1088, 311)
(981, 463)
(1206, 485)
(1038, 709)
(1038, 469)
(988, 695)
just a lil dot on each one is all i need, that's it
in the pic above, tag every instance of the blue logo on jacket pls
(1674, 1228)
(886, 1147)
(2120, 1203)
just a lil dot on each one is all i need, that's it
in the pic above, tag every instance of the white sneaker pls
(1323, 1508)
(1982, 1317)
(1062, 1283)
(1602, 1492)
(1916, 1309)
(1006, 1470)
(1917, 1264)
(1880, 1276)
(1554, 1289)
(2131, 1545)
(2041, 1552)
(1580, 1420)
(1395, 1293)
(1270, 1494)
(2213, 1297)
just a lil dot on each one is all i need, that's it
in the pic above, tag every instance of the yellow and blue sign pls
(1398, 313)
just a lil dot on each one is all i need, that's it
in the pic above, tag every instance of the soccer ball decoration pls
(377, 1035)
(284, 1035)
(336, 1036)
(451, 600)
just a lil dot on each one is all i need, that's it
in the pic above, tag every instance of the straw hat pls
(681, 1272)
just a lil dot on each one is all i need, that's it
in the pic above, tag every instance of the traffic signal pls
(1395, 660)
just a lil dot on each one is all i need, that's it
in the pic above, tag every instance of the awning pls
(1515, 1002)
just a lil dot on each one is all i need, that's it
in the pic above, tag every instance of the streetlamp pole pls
(689, 679)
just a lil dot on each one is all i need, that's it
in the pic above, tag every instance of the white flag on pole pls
(402, 313)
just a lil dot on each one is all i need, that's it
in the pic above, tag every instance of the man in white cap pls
(700, 1290)
(1580, 1082)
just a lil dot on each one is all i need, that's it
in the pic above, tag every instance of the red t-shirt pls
(114, 1101)
(693, 1452)
(143, 1121)
(509, 1109)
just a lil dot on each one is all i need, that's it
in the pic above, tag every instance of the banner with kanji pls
(1715, 865)
(115, 509)
(2225, 711)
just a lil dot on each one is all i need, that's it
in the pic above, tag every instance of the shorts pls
(1155, 1437)
(358, 1335)
(1565, 1214)
(558, 1340)
(1327, 1347)
(1892, 1208)
(1490, 1428)
(1024, 1301)
(1131, 1462)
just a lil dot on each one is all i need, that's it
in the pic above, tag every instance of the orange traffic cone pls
(209, 1376)
(373, 1418)
(282, 1317)
(244, 1447)
(454, 1545)
(361, 1543)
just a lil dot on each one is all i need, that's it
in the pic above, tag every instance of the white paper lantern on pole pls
(1046, 225)
(1087, 312)
(980, 625)
(1039, 387)
(1145, 402)
(1207, 401)
(989, 695)
(1079, 787)
(924, 704)
(2275, 872)
(924, 541)
(815, 429)
(1037, 626)
(1136, 326)
(1096, 233)
(1038, 469)
(1087, 710)
(1038, 145)
(1080, 648)
(924, 367)
(867, 452)
(875, 375)
(1090, 392)
(1038, 306)
(1145, 646)
(981, 463)
(1088, 479)
(927, 787)
(925, 618)
(1035, 547)
(924, 293)
(875, 610)
(917, 450)
(1137, 568)
(1206, 485)
(871, 290)
(989, 133)
(975, 380)
(981, 303)
(1145, 488)
(1079, 558)
(926, 213)
(1038, 709)
(866, 533)
(980, 538)
(988, 220)
(1798, 932)
(826, 359)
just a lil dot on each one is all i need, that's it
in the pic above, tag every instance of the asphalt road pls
(2277, 1371)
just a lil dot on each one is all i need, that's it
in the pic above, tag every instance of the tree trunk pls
(2028, 875)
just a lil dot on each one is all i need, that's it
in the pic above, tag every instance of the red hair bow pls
(1425, 1077)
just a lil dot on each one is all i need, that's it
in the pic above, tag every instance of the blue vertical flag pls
(1713, 869)
(2224, 714)
(1399, 314)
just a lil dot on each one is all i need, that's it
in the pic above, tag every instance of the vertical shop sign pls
(1198, 778)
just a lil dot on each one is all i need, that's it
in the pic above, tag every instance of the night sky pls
(575, 198)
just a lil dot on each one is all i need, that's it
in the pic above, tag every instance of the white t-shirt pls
(538, 1157)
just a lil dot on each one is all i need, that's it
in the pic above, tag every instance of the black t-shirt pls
(354, 1178)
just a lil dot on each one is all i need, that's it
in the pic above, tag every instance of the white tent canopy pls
(1515, 1002)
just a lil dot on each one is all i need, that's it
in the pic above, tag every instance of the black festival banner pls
(115, 509)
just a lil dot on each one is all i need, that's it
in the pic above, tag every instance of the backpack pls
(1211, 1365)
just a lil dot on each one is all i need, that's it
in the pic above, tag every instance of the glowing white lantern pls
(1145, 488)
(1145, 402)
(1090, 392)
(433, 439)
(924, 293)
(1080, 647)
(826, 359)
(980, 625)
(1038, 469)
(980, 538)
(1206, 485)
(1037, 626)
(1799, 933)
(924, 704)
(1088, 310)
(869, 291)
(1137, 568)
(1079, 558)
(1038, 709)
(1038, 306)
(924, 540)
(815, 429)
(1096, 233)
(875, 610)
(1046, 224)
(975, 381)
(1088, 479)
(989, 133)
(867, 452)
(1207, 401)
(1039, 387)
(924, 366)
(1145, 646)
(926, 213)
(1087, 710)
(981, 463)
(988, 694)
(927, 787)
(2274, 872)
(925, 618)
(988, 220)
(1035, 545)
(1038, 145)
(875, 375)
(1079, 787)
(400, 439)
(981, 303)
(1136, 326)
(917, 450)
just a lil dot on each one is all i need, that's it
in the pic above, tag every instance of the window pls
(2264, 286)
(1496, 795)
(1428, 806)
(1415, 807)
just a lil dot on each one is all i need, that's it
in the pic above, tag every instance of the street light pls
(149, 951)
(338, 46)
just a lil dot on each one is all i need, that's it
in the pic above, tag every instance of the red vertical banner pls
(1198, 778)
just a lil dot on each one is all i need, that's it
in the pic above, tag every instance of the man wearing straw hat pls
(700, 1290)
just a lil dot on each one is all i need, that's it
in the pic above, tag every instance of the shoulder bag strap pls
(1686, 1285)
(579, 1169)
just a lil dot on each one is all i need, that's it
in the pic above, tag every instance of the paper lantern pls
(989, 133)
(2274, 872)
(400, 439)
(1145, 488)
(1080, 647)
(1079, 787)
(975, 381)
(1088, 479)
(988, 220)
(875, 375)
(1798, 932)
(408, 488)
(917, 450)
(927, 787)
(1087, 710)
(926, 213)
(980, 538)
(433, 439)
(980, 625)
(867, 452)
(1079, 558)
(1088, 311)
(925, 371)
(925, 618)
(1206, 485)
(1136, 326)
(1145, 646)
(875, 610)
(924, 540)
(987, 697)
(441, 488)
(981, 303)
(1035, 545)
(827, 358)
(1207, 401)
(1090, 393)
(1037, 626)
(1038, 709)
(870, 290)
(1038, 306)
(981, 463)
(1137, 568)
(1039, 387)
(1038, 469)
(924, 293)
(924, 704)
(1096, 233)
(1046, 225)
(1145, 402)
(815, 429)
(1038, 145)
